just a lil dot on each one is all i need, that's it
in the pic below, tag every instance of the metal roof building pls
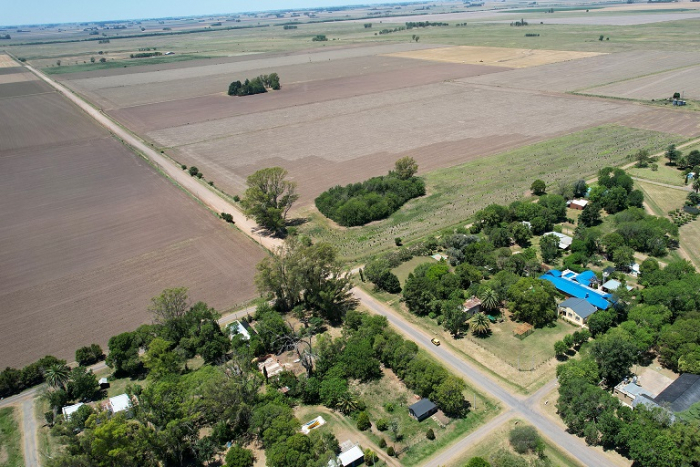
(681, 394)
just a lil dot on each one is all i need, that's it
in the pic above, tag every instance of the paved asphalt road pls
(516, 405)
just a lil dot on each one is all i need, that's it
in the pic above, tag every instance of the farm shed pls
(352, 457)
(578, 204)
(681, 394)
(576, 310)
(422, 409)
(564, 240)
(612, 285)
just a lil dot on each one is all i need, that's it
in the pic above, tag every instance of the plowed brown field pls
(91, 232)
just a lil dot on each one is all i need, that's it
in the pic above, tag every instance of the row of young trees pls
(373, 199)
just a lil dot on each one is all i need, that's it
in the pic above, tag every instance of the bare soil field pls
(24, 88)
(17, 77)
(590, 72)
(92, 232)
(7, 62)
(182, 83)
(606, 19)
(495, 56)
(657, 86)
(440, 125)
(12, 69)
(665, 120)
(209, 116)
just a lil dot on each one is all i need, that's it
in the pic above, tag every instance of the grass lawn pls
(664, 174)
(406, 268)
(10, 448)
(414, 447)
(48, 445)
(662, 199)
(456, 193)
(690, 239)
(498, 439)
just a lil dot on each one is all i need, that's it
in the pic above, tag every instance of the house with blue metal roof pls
(579, 286)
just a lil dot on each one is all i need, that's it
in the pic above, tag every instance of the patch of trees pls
(307, 275)
(89, 355)
(389, 31)
(319, 38)
(6, 36)
(641, 232)
(146, 54)
(14, 381)
(269, 198)
(615, 191)
(178, 329)
(258, 85)
(373, 199)
(290, 26)
(423, 24)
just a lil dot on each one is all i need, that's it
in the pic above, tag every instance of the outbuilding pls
(352, 457)
(119, 403)
(422, 409)
(71, 409)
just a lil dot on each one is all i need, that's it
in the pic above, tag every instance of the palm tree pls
(489, 299)
(57, 375)
(480, 324)
(347, 403)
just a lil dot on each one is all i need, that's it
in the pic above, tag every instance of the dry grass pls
(662, 199)
(656, 86)
(495, 56)
(7, 62)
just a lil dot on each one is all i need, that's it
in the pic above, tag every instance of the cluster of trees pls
(6, 36)
(269, 198)
(389, 31)
(256, 85)
(542, 215)
(290, 26)
(373, 199)
(424, 24)
(146, 54)
(663, 320)
(68, 385)
(319, 38)
(615, 192)
(179, 332)
(14, 381)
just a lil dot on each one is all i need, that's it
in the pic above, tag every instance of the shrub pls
(227, 217)
(239, 457)
(382, 425)
(184, 167)
(524, 439)
(397, 240)
(193, 171)
(382, 443)
(236, 198)
(390, 451)
(363, 422)
(389, 407)
(89, 355)
(538, 187)
(477, 462)
(430, 434)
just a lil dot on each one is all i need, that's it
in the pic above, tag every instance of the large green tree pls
(532, 300)
(302, 273)
(269, 198)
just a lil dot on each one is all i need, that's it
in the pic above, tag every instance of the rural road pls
(191, 184)
(523, 408)
(667, 185)
(516, 405)
(31, 450)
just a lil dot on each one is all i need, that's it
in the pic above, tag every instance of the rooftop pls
(682, 393)
(612, 284)
(471, 303)
(351, 455)
(580, 306)
(577, 285)
(564, 240)
(119, 403)
(421, 407)
(71, 409)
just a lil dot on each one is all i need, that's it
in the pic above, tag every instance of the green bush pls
(382, 425)
(363, 422)
(89, 355)
(524, 439)
(193, 171)
(430, 434)
(382, 443)
(390, 451)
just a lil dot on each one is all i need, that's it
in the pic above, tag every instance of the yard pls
(664, 174)
(10, 448)
(388, 398)
(523, 364)
(408, 267)
(498, 439)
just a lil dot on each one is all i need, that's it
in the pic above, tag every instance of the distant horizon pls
(42, 12)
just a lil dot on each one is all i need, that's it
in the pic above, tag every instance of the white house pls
(119, 403)
(564, 240)
(71, 409)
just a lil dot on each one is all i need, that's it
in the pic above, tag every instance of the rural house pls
(422, 409)
(564, 240)
(580, 285)
(576, 310)
(119, 403)
(472, 306)
(243, 328)
(70, 410)
(578, 204)
(612, 285)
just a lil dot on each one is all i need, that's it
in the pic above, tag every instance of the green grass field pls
(662, 199)
(110, 63)
(664, 174)
(10, 448)
(498, 439)
(456, 193)
(406, 268)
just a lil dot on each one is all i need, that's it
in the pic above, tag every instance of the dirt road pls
(31, 449)
(192, 185)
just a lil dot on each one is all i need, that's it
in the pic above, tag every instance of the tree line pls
(374, 199)
(257, 85)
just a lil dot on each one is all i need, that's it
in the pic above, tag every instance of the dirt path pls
(192, 185)
(665, 185)
(30, 445)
